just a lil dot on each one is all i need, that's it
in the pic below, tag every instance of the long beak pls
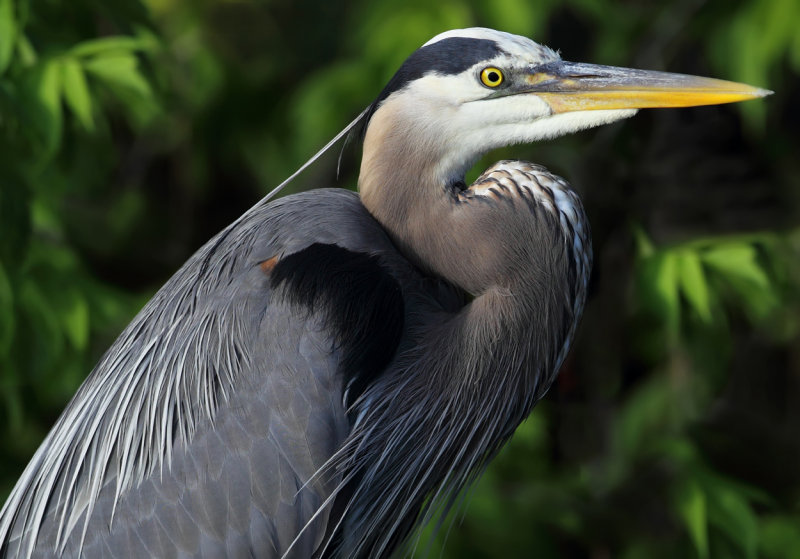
(570, 86)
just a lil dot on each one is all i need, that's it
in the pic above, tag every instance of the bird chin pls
(560, 124)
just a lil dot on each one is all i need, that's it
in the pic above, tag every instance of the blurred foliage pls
(130, 132)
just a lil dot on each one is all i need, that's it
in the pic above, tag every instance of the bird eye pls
(491, 76)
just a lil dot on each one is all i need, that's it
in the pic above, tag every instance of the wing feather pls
(202, 428)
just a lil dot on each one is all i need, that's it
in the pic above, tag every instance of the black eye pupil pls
(494, 76)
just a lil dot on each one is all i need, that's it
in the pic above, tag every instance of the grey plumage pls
(275, 379)
(331, 370)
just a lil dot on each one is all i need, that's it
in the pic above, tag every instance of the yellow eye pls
(491, 76)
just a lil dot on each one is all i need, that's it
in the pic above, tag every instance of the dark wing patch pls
(362, 302)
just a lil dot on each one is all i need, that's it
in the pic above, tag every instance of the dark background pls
(131, 132)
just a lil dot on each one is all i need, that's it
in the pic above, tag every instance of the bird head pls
(468, 91)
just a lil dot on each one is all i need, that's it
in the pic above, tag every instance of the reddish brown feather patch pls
(268, 265)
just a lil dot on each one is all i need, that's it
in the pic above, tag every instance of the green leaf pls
(120, 71)
(690, 502)
(644, 245)
(666, 287)
(6, 312)
(25, 51)
(738, 266)
(694, 285)
(779, 537)
(730, 512)
(8, 33)
(76, 92)
(648, 410)
(42, 102)
(107, 45)
(74, 317)
(739, 260)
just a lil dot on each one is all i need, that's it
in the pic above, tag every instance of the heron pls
(334, 368)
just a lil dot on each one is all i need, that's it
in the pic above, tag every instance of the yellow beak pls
(569, 86)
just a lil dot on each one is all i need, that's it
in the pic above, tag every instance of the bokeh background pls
(132, 131)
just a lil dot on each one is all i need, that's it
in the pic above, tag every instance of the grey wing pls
(200, 431)
(243, 486)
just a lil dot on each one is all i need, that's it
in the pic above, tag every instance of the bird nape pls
(331, 370)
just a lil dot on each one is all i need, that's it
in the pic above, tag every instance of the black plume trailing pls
(362, 303)
(446, 57)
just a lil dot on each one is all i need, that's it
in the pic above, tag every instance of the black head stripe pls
(445, 57)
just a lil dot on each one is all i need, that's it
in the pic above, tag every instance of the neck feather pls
(402, 186)
(461, 382)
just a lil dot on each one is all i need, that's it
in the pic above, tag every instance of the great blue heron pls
(331, 370)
